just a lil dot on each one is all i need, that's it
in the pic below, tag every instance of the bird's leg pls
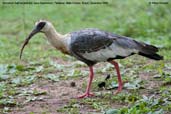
(87, 93)
(118, 75)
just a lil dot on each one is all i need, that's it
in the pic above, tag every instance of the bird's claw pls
(85, 95)
(118, 90)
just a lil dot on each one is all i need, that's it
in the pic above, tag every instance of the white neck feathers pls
(60, 42)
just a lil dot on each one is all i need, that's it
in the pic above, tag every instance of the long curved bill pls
(27, 40)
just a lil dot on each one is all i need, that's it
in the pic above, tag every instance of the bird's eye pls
(41, 25)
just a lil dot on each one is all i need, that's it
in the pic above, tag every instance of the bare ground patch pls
(62, 93)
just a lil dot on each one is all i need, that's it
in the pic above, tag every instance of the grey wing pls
(128, 43)
(92, 45)
(89, 40)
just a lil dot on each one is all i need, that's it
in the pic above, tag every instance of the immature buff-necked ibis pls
(92, 46)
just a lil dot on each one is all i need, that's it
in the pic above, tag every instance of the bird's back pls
(90, 40)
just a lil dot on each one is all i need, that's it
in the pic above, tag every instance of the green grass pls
(149, 23)
(133, 18)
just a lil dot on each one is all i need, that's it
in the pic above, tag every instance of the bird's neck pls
(58, 40)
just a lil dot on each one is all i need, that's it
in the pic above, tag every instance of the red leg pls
(87, 93)
(118, 75)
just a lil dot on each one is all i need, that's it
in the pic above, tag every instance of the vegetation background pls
(23, 82)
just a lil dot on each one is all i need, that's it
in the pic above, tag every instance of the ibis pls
(91, 46)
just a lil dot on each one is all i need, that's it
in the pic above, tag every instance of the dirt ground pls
(59, 94)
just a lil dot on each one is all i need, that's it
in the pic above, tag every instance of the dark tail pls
(152, 56)
(149, 51)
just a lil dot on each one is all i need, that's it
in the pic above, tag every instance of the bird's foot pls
(85, 95)
(118, 90)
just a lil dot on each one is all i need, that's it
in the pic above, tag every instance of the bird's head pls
(40, 26)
